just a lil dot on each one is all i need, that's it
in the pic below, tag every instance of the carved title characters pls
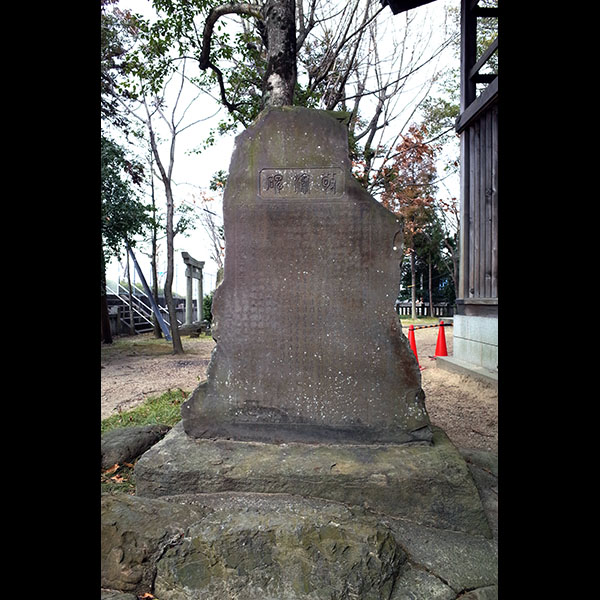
(311, 183)
(328, 182)
(275, 182)
(301, 183)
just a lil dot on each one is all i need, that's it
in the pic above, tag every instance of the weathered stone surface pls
(487, 461)
(484, 469)
(416, 584)
(461, 561)
(316, 494)
(486, 593)
(126, 444)
(116, 595)
(251, 546)
(283, 547)
(309, 347)
(280, 547)
(134, 534)
(429, 484)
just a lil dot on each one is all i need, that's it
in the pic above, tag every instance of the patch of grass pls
(163, 410)
(406, 320)
(145, 344)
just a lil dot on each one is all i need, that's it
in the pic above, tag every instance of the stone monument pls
(309, 347)
(312, 389)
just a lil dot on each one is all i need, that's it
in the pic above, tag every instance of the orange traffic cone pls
(411, 341)
(440, 347)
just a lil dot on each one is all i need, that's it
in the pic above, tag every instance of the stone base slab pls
(283, 547)
(427, 484)
(455, 365)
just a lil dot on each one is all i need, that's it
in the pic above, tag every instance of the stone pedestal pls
(283, 547)
(426, 484)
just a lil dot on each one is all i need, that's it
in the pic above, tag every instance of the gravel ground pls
(464, 408)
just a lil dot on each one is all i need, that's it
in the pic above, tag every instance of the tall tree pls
(449, 219)
(149, 110)
(276, 22)
(431, 260)
(130, 86)
(154, 230)
(116, 29)
(208, 219)
(166, 178)
(184, 220)
(409, 189)
(122, 214)
(174, 120)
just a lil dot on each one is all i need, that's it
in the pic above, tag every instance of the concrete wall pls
(475, 340)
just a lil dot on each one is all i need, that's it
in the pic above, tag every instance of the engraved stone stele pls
(311, 378)
(308, 345)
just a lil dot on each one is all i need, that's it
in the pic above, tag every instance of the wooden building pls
(475, 347)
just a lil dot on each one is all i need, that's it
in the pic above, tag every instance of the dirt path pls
(131, 373)
(466, 409)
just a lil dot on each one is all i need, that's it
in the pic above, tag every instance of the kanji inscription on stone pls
(325, 183)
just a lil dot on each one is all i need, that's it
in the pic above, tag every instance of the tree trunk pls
(155, 323)
(276, 22)
(430, 290)
(413, 281)
(166, 179)
(131, 322)
(454, 254)
(177, 346)
(455, 271)
(104, 318)
(280, 38)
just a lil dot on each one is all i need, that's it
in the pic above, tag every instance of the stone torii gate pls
(193, 271)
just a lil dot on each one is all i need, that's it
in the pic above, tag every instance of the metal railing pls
(440, 309)
(142, 309)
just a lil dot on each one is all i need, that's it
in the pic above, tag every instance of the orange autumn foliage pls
(409, 181)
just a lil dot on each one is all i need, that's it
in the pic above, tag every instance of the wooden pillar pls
(468, 48)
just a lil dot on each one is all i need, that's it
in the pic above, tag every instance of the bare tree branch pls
(304, 29)
(404, 75)
(238, 8)
(241, 8)
(232, 108)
